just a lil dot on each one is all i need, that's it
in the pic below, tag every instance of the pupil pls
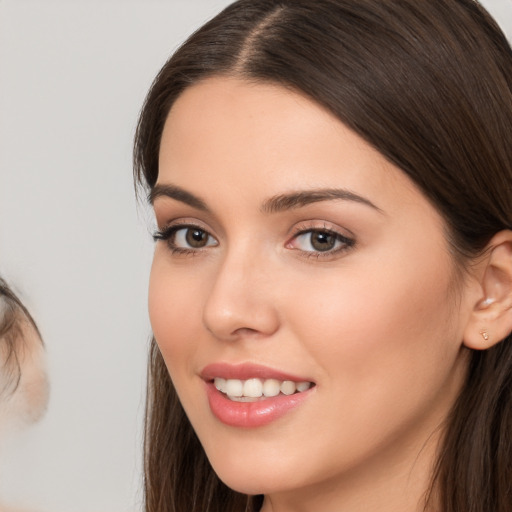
(196, 238)
(322, 241)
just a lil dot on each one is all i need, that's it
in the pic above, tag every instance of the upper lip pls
(245, 371)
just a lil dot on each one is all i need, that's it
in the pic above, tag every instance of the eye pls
(320, 241)
(193, 238)
(182, 238)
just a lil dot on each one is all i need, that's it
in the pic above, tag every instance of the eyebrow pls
(295, 200)
(177, 193)
(279, 203)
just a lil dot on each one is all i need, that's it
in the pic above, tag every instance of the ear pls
(491, 318)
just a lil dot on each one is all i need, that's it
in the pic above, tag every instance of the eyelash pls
(167, 235)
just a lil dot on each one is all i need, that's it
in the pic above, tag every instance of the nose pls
(240, 302)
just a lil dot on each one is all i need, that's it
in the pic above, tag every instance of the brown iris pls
(196, 238)
(322, 241)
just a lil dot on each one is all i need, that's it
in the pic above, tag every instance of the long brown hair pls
(428, 84)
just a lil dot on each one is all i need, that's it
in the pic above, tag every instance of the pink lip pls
(246, 371)
(249, 414)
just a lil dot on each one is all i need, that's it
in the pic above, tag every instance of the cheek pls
(171, 304)
(381, 332)
(175, 309)
(172, 295)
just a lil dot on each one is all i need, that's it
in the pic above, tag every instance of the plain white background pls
(74, 243)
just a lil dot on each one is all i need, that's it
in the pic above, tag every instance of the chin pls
(258, 475)
(252, 484)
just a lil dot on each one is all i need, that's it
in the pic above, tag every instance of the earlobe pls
(491, 319)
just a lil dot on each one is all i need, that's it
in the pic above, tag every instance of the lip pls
(246, 371)
(250, 414)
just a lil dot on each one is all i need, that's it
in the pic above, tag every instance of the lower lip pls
(252, 414)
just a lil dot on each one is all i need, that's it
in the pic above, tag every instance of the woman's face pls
(290, 250)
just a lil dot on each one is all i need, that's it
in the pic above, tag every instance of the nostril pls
(246, 331)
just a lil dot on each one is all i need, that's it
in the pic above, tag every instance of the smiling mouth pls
(253, 390)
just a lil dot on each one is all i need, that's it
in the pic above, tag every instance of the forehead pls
(242, 114)
(226, 135)
(260, 127)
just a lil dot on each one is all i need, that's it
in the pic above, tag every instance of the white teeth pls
(271, 387)
(288, 387)
(220, 384)
(253, 388)
(234, 387)
(303, 386)
(257, 388)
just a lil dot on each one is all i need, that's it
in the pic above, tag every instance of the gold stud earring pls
(485, 335)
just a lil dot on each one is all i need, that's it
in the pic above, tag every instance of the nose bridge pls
(240, 298)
